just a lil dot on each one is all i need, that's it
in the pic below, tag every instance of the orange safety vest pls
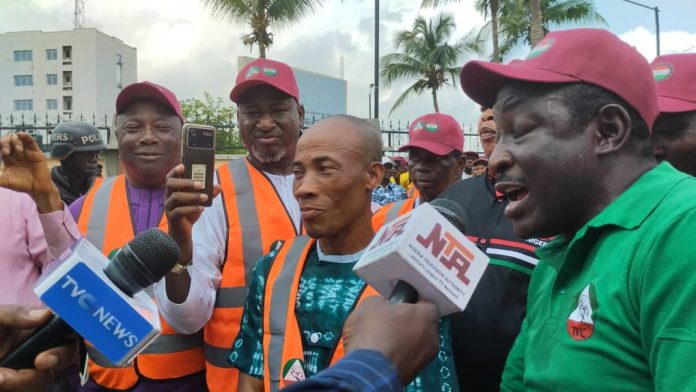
(391, 211)
(256, 217)
(281, 333)
(105, 221)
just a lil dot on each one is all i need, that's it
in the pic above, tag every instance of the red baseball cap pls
(593, 56)
(151, 91)
(437, 133)
(265, 72)
(675, 75)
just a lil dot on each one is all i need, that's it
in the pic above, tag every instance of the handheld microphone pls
(101, 300)
(424, 254)
(405, 293)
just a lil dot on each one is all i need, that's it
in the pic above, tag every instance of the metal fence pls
(41, 126)
(394, 133)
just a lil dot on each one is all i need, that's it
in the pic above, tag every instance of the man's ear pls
(301, 114)
(375, 173)
(613, 129)
(460, 165)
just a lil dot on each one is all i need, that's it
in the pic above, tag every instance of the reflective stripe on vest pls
(280, 293)
(282, 340)
(96, 230)
(255, 218)
(246, 208)
(105, 221)
(393, 212)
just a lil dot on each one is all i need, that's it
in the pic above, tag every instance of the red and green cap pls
(593, 56)
(675, 75)
(437, 133)
(150, 91)
(265, 72)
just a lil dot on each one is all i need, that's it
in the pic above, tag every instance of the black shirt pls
(483, 334)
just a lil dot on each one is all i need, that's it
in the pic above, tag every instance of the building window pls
(51, 54)
(23, 104)
(51, 79)
(67, 52)
(51, 104)
(67, 103)
(24, 80)
(23, 55)
(67, 80)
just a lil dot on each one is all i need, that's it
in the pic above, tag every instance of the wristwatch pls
(178, 268)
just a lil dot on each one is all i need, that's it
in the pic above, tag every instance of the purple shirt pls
(31, 241)
(146, 206)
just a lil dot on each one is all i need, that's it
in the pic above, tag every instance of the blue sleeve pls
(361, 370)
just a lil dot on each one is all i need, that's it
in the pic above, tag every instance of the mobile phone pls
(198, 156)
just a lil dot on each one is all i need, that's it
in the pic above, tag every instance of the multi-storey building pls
(63, 73)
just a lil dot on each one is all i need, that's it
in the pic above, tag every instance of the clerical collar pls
(342, 259)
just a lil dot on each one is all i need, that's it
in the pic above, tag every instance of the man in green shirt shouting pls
(611, 302)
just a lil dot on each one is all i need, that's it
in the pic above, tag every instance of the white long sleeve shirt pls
(209, 240)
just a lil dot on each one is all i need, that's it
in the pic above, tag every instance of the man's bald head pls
(370, 140)
(336, 167)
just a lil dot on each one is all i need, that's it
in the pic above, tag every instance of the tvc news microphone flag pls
(79, 291)
(424, 249)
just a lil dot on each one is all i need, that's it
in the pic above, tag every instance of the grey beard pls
(268, 158)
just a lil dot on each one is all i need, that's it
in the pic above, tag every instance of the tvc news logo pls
(441, 244)
(89, 303)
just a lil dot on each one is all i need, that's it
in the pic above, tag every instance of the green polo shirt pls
(614, 309)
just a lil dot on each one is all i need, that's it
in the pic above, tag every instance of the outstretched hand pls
(26, 171)
(406, 334)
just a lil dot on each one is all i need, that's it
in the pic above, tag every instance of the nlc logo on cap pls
(662, 71)
(543, 45)
(430, 127)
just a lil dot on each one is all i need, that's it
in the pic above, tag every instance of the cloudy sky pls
(181, 46)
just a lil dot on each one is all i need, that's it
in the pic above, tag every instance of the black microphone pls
(140, 263)
(403, 291)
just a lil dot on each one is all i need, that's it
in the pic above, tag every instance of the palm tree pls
(511, 20)
(486, 7)
(515, 20)
(262, 15)
(536, 28)
(428, 56)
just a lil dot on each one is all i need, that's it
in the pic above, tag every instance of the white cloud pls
(670, 41)
(181, 46)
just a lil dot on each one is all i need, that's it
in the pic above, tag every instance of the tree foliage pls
(262, 16)
(218, 113)
(515, 21)
(427, 55)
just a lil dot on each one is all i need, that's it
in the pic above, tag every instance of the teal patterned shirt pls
(326, 295)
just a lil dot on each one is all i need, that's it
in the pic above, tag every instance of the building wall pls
(93, 65)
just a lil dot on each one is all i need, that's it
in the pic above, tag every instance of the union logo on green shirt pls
(582, 319)
(293, 371)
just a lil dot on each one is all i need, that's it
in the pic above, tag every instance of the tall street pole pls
(657, 20)
(376, 59)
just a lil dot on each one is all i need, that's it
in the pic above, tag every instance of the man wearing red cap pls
(610, 306)
(256, 208)
(436, 161)
(500, 298)
(674, 133)
(148, 123)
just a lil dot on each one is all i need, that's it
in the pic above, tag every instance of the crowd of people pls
(584, 200)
